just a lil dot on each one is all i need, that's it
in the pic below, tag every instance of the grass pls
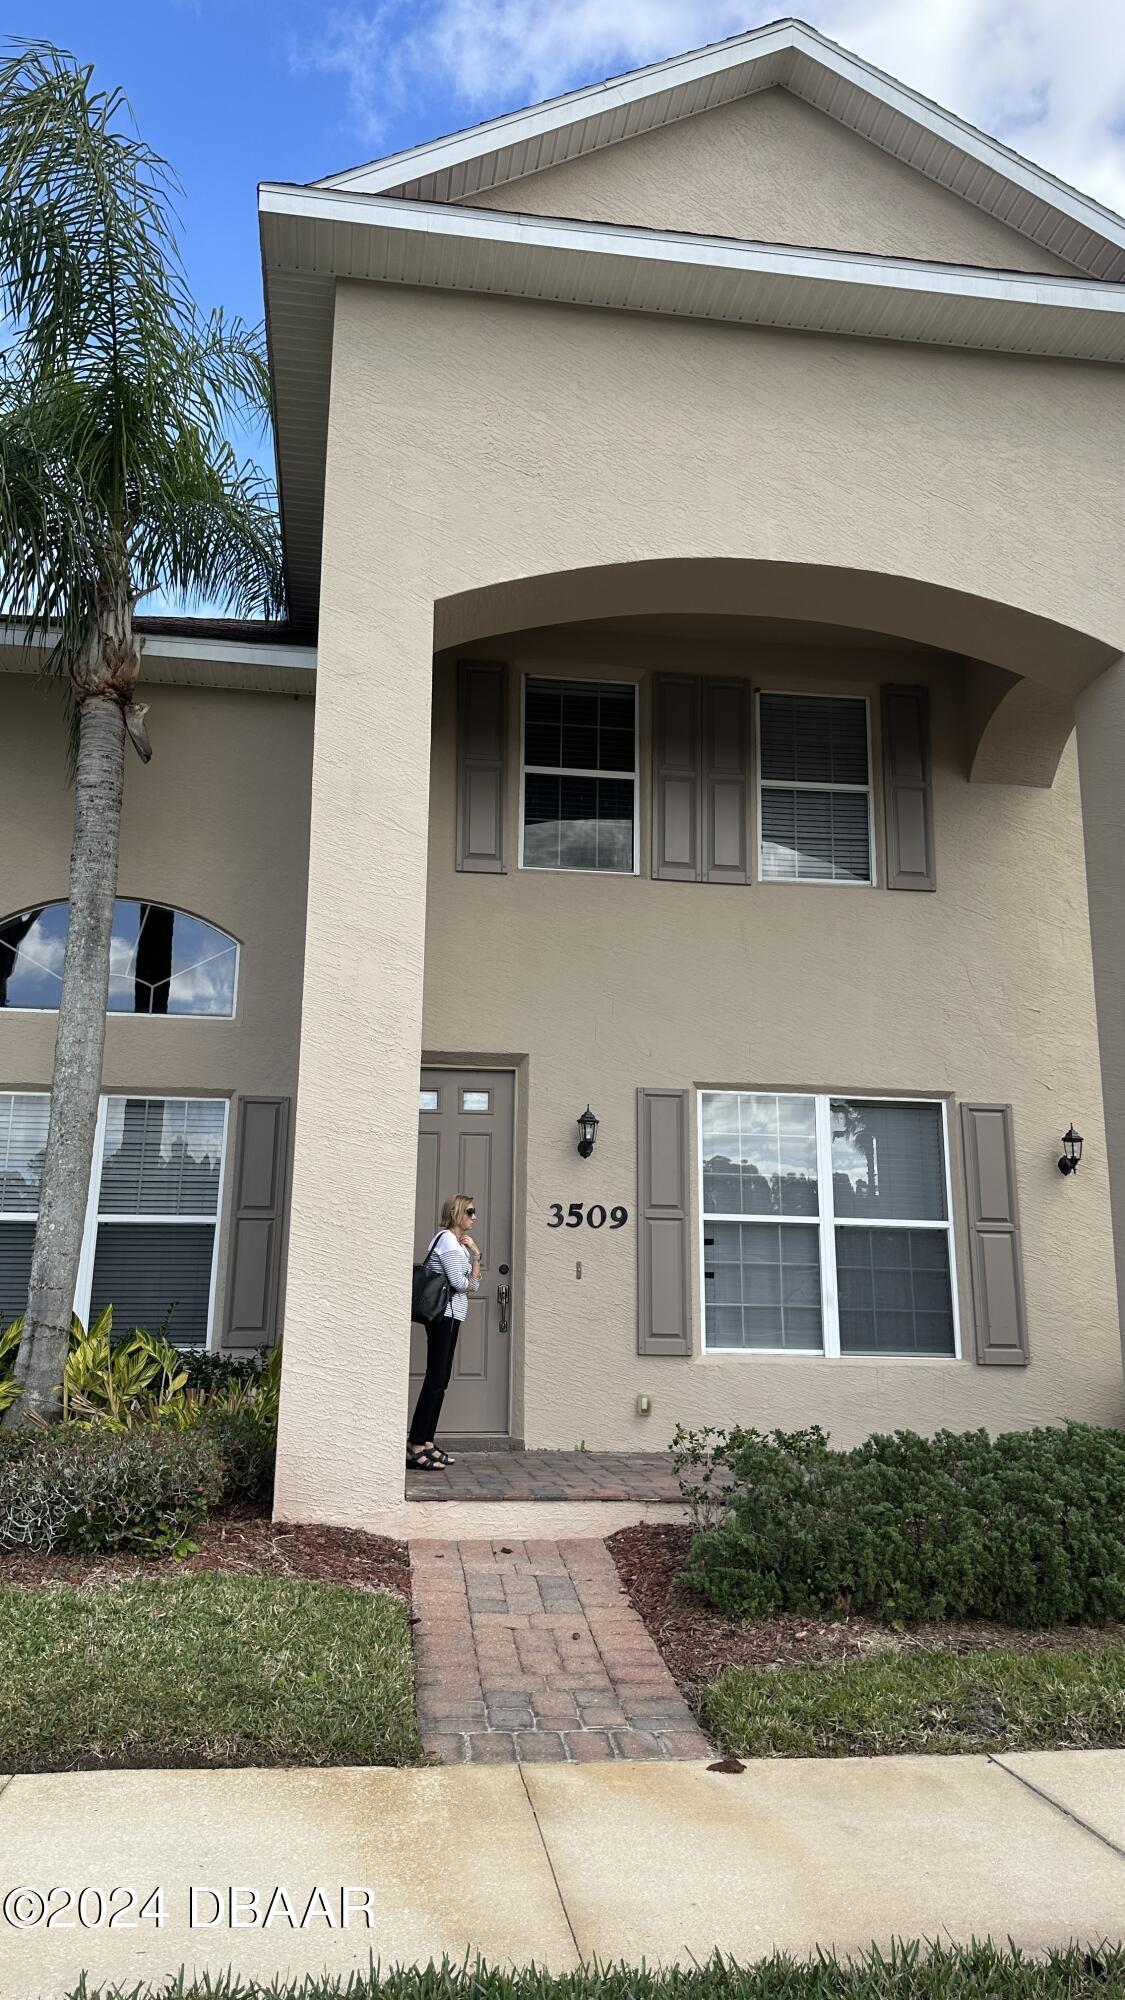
(204, 1670)
(910, 1972)
(923, 1701)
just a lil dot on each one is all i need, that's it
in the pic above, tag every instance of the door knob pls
(504, 1301)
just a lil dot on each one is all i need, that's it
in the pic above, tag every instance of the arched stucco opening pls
(1023, 671)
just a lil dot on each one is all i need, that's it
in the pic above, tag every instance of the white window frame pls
(567, 771)
(786, 785)
(829, 1222)
(94, 1220)
(116, 1014)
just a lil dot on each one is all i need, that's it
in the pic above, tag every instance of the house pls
(704, 519)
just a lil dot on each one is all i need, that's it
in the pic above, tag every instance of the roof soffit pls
(794, 56)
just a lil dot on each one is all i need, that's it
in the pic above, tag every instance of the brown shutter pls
(908, 788)
(663, 1226)
(257, 1220)
(994, 1235)
(726, 816)
(482, 763)
(676, 723)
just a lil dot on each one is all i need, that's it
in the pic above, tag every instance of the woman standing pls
(454, 1252)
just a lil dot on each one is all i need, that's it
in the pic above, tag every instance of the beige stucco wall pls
(771, 168)
(608, 983)
(217, 824)
(477, 447)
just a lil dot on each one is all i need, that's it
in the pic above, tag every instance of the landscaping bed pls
(241, 1540)
(204, 1670)
(910, 1972)
(698, 1643)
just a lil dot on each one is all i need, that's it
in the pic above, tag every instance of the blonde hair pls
(455, 1212)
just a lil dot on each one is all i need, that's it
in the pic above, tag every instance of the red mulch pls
(243, 1541)
(697, 1642)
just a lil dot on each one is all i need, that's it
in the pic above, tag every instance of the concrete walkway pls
(529, 1652)
(662, 1861)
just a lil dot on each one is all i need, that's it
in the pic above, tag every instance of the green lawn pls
(204, 1669)
(940, 1702)
(910, 1973)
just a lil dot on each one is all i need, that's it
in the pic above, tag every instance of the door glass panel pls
(476, 1100)
(427, 1100)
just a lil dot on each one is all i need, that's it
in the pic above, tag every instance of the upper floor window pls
(162, 961)
(814, 789)
(826, 1225)
(579, 807)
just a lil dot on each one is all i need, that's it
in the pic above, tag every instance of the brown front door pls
(465, 1135)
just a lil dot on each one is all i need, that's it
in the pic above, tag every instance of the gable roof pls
(787, 54)
(408, 220)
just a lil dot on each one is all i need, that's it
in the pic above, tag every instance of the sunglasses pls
(470, 1211)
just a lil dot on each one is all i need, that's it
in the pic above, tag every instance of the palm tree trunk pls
(79, 1051)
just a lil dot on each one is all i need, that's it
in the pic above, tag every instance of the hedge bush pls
(83, 1487)
(246, 1442)
(1026, 1528)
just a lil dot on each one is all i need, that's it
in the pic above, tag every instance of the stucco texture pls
(217, 825)
(771, 168)
(489, 457)
(612, 982)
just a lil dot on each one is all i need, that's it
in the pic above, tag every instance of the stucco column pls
(1100, 713)
(341, 1446)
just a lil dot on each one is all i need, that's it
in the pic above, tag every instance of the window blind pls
(815, 788)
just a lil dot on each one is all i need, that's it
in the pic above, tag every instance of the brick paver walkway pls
(549, 1475)
(530, 1652)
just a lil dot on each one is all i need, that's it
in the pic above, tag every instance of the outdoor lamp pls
(1071, 1152)
(588, 1127)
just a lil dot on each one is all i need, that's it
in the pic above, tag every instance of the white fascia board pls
(497, 227)
(515, 128)
(175, 646)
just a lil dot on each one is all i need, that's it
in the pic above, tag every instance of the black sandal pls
(442, 1457)
(420, 1458)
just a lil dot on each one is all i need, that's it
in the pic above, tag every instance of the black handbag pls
(430, 1291)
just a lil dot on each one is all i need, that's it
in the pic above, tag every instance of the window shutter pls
(726, 819)
(908, 788)
(663, 1231)
(676, 813)
(257, 1221)
(994, 1232)
(482, 765)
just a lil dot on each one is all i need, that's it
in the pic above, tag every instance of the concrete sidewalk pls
(523, 1863)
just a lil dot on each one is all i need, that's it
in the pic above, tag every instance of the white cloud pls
(1046, 78)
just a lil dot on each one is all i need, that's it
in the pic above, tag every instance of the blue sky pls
(234, 92)
(237, 91)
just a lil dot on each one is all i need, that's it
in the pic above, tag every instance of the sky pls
(233, 92)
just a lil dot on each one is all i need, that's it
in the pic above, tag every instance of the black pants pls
(441, 1340)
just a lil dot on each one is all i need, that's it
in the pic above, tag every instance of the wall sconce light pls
(1071, 1152)
(588, 1128)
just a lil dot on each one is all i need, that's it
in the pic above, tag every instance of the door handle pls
(504, 1299)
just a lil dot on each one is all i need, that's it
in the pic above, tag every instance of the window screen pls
(814, 798)
(858, 1182)
(579, 799)
(149, 1251)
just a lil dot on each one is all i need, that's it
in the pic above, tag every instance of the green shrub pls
(247, 1447)
(1025, 1528)
(85, 1487)
(212, 1372)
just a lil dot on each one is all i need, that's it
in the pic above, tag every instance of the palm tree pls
(117, 479)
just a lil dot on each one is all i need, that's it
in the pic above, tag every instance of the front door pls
(465, 1133)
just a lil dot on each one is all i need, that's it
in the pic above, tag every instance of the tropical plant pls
(118, 478)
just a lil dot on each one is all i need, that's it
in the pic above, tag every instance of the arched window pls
(162, 961)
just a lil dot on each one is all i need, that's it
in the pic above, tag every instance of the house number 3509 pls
(594, 1216)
